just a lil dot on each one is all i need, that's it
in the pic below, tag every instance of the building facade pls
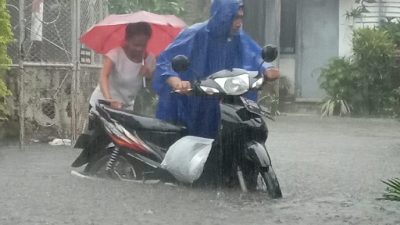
(310, 33)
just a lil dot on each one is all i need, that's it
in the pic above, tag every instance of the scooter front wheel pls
(268, 182)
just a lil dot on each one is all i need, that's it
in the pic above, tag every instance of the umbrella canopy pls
(110, 33)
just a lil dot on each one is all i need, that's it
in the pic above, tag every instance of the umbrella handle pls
(144, 82)
(144, 78)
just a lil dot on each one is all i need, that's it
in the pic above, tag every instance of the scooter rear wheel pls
(123, 169)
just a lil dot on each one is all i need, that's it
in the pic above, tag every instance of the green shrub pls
(4, 92)
(337, 78)
(373, 53)
(339, 83)
(393, 28)
(392, 103)
(5, 38)
(368, 82)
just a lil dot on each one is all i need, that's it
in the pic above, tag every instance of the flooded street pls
(330, 172)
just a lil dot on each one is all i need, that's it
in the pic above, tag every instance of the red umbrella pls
(110, 33)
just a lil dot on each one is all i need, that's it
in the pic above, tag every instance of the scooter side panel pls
(159, 138)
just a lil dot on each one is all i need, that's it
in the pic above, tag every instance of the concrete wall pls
(287, 67)
(317, 43)
(48, 101)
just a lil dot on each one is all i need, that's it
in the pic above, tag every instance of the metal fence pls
(56, 74)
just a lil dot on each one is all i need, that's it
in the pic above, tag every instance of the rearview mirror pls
(180, 63)
(269, 53)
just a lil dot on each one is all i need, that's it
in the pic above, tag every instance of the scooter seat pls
(137, 122)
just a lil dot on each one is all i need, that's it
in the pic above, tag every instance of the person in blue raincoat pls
(211, 46)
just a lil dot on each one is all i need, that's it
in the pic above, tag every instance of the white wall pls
(345, 28)
(377, 11)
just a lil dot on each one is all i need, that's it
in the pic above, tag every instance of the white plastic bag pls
(59, 142)
(186, 158)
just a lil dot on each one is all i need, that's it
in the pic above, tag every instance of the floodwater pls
(330, 172)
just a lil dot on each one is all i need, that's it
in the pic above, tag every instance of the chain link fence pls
(47, 28)
(90, 12)
(56, 74)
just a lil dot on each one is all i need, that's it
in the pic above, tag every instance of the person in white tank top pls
(124, 68)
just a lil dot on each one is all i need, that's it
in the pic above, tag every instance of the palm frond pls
(344, 108)
(335, 106)
(392, 190)
(324, 108)
(331, 109)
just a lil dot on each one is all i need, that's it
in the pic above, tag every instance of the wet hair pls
(134, 29)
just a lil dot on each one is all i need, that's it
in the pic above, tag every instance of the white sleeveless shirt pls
(124, 80)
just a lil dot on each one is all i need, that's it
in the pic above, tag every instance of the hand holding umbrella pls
(110, 32)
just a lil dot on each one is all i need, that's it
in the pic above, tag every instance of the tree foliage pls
(174, 7)
(6, 37)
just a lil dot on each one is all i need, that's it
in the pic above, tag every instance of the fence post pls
(75, 18)
(92, 19)
(22, 74)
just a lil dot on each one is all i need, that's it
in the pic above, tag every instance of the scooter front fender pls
(258, 154)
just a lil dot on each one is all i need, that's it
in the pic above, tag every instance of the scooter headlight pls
(209, 90)
(234, 85)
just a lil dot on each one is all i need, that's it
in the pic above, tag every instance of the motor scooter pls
(128, 146)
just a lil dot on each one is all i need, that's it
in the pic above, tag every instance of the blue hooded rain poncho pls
(210, 47)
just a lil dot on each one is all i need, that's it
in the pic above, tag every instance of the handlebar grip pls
(103, 102)
(179, 91)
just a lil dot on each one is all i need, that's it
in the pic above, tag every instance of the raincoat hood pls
(222, 15)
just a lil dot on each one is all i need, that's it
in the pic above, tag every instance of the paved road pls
(329, 169)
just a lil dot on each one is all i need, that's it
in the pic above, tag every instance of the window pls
(288, 26)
